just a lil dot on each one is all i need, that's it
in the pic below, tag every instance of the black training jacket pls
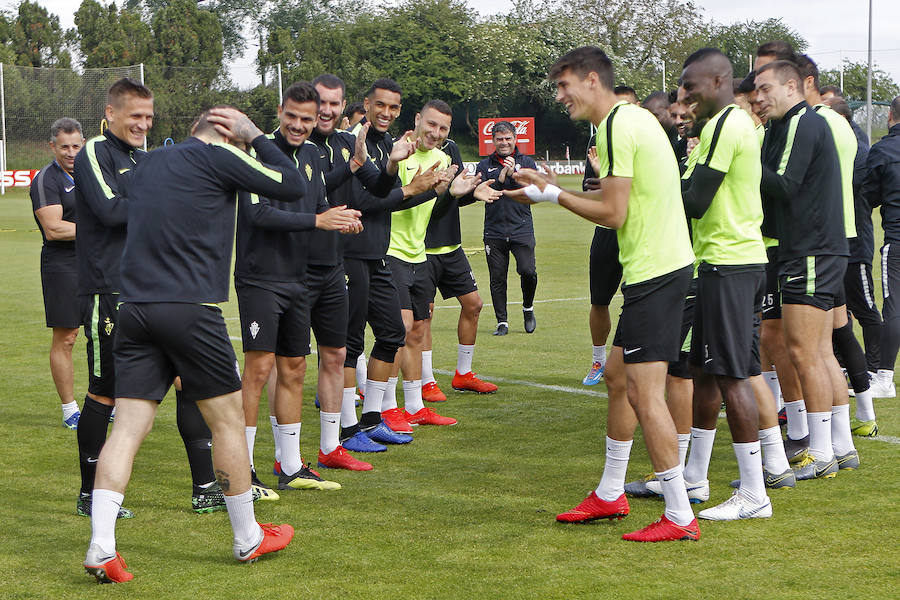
(444, 228)
(273, 236)
(505, 218)
(862, 247)
(102, 169)
(881, 186)
(802, 200)
(181, 216)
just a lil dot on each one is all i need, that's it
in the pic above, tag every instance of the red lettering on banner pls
(524, 134)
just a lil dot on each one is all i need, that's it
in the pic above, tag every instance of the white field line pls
(534, 384)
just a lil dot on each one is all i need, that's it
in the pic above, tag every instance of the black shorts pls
(771, 307)
(328, 305)
(61, 306)
(99, 316)
(274, 316)
(728, 300)
(451, 273)
(411, 281)
(373, 299)
(812, 280)
(681, 368)
(649, 327)
(159, 340)
(605, 271)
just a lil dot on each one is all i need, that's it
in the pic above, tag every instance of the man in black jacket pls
(175, 269)
(508, 227)
(881, 187)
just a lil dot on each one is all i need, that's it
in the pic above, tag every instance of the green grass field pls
(462, 512)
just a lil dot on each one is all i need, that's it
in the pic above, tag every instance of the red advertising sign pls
(524, 134)
(18, 178)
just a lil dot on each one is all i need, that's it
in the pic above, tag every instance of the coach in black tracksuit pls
(881, 187)
(508, 228)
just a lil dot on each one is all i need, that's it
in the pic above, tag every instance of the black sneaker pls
(502, 329)
(305, 479)
(85, 501)
(209, 499)
(530, 321)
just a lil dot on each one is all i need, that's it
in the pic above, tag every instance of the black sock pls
(348, 432)
(368, 420)
(854, 359)
(529, 287)
(872, 339)
(91, 432)
(197, 440)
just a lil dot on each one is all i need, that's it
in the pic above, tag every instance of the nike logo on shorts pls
(632, 351)
(797, 278)
(92, 460)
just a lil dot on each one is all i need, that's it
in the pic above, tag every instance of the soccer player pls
(354, 114)
(406, 252)
(372, 293)
(801, 186)
(508, 228)
(843, 341)
(101, 169)
(53, 203)
(175, 269)
(285, 284)
(858, 281)
(881, 187)
(626, 93)
(721, 194)
(640, 198)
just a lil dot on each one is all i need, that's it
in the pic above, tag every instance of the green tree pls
(739, 41)
(37, 38)
(855, 82)
(108, 36)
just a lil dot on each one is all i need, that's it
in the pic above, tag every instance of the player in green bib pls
(406, 251)
(721, 193)
(639, 197)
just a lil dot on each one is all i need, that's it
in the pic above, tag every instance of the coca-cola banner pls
(524, 134)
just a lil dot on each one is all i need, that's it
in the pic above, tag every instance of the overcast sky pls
(828, 25)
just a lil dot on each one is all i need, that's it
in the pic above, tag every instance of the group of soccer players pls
(338, 229)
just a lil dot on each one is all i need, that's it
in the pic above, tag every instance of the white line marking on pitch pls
(885, 438)
(534, 384)
(536, 302)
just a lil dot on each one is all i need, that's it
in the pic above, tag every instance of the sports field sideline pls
(462, 512)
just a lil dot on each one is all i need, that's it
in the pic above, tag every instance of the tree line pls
(484, 66)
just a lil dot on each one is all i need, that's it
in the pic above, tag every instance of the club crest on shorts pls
(254, 329)
(308, 173)
(108, 326)
(346, 154)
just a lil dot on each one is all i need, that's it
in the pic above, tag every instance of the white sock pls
(697, 466)
(797, 419)
(329, 434)
(243, 521)
(841, 438)
(865, 409)
(612, 484)
(774, 459)
(684, 440)
(69, 409)
(289, 440)
(250, 435)
(389, 400)
(362, 368)
(749, 459)
(820, 435)
(273, 421)
(375, 393)
(771, 379)
(412, 396)
(105, 505)
(678, 507)
(885, 375)
(348, 408)
(464, 358)
(427, 367)
(599, 354)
